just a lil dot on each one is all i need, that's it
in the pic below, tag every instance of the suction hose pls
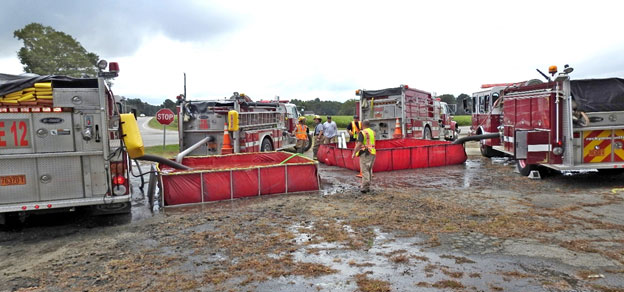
(164, 161)
(476, 138)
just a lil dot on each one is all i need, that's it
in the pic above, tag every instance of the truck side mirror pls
(495, 97)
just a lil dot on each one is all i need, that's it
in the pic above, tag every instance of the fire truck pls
(419, 114)
(562, 124)
(60, 145)
(259, 126)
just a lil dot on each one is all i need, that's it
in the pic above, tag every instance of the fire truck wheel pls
(524, 168)
(266, 145)
(109, 209)
(308, 144)
(427, 134)
(486, 151)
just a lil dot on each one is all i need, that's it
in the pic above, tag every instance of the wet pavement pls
(478, 226)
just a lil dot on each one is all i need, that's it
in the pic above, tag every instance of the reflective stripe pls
(508, 139)
(539, 148)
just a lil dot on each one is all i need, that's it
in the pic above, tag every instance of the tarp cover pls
(382, 92)
(598, 95)
(11, 83)
(226, 177)
(396, 154)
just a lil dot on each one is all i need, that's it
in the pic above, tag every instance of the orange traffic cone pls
(397, 130)
(227, 144)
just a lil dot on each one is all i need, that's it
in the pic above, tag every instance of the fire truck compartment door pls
(60, 178)
(53, 132)
(18, 181)
(533, 146)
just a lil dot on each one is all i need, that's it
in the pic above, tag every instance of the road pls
(154, 137)
(478, 226)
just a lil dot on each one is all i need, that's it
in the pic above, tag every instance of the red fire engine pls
(419, 114)
(258, 126)
(566, 125)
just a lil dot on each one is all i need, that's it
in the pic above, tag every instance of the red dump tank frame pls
(397, 154)
(224, 177)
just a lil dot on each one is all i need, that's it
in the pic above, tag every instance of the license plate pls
(12, 180)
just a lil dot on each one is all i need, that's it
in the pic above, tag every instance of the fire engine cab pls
(566, 125)
(60, 145)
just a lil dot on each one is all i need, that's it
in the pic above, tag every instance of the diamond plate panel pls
(79, 98)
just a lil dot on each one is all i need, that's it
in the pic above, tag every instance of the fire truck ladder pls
(249, 120)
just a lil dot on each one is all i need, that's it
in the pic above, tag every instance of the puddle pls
(404, 263)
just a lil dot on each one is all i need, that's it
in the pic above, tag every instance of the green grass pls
(153, 123)
(463, 120)
(170, 151)
(341, 121)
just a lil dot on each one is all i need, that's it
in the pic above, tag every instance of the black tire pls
(308, 144)
(266, 145)
(615, 171)
(111, 209)
(486, 151)
(524, 168)
(427, 134)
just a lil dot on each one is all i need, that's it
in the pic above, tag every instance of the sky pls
(326, 49)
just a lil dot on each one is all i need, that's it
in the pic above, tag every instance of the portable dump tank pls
(224, 177)
(397, 154)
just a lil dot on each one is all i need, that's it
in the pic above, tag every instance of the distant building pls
(308, 113)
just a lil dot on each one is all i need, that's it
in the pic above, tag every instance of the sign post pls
(165, 117)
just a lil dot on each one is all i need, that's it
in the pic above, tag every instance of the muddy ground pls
(473, 227)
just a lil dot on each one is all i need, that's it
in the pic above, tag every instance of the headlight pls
(557, 150)
(102, 64)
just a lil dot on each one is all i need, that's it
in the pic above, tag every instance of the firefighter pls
(318, 135)
(365, 149)
(354, 128)
(301, 133)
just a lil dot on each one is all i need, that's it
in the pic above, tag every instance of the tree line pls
(326, 107)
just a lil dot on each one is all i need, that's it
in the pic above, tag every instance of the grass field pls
(153, 123)
(341, 121)
(169, 151)
(465, 120)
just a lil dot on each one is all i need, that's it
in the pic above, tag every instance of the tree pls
(50, 52)
(448, 98)
(348, 108)
(168, 103)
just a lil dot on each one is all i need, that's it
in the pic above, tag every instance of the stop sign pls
(165, 116)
